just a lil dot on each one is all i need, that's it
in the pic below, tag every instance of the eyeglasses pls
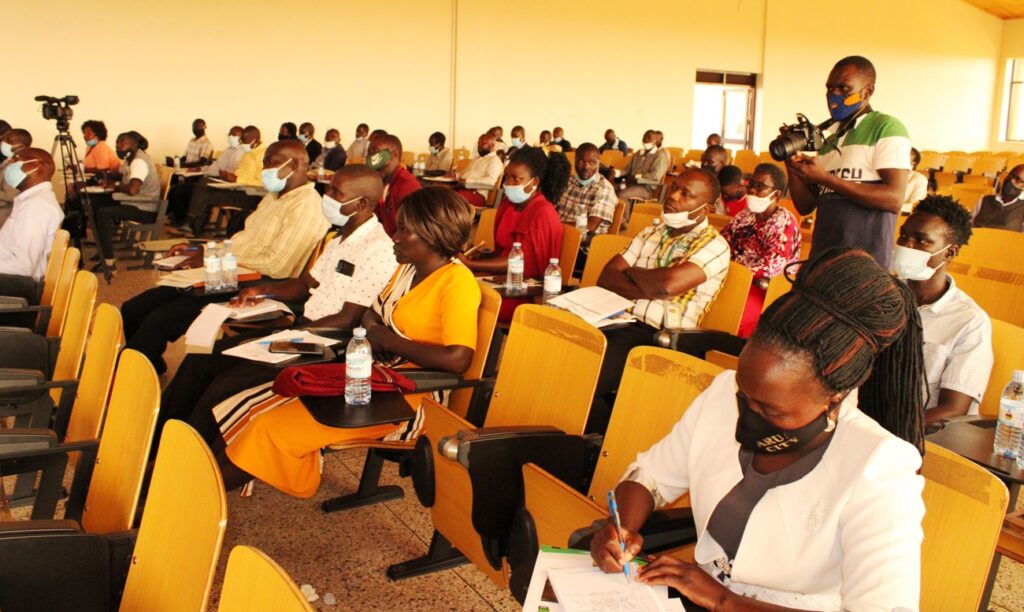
(758, 187)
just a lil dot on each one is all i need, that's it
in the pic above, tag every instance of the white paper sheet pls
(259, 350)
(591, 590)
(592, 304)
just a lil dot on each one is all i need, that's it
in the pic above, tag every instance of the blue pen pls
(269, 342)
(613, 514)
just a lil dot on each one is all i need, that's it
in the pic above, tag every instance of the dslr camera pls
(58, 109)
(800, 136)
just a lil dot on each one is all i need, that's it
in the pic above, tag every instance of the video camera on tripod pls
(59, 109)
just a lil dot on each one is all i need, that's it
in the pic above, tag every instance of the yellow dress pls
(281, 446)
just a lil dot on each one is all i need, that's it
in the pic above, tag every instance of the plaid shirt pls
(702, 246)
(281, 233)
(197, 149)
(596, 200)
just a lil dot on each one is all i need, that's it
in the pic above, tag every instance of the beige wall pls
(584, 65)
(1012, 46)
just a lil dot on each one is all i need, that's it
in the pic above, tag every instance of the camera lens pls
(786, 146)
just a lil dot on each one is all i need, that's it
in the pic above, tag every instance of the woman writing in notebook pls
(426, 316)
(802, 464)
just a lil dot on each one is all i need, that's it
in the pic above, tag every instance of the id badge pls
(345, 267)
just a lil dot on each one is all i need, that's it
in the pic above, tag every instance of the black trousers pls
(161, 315)
(204, 196)
(621, 340)
(12, 285)
(107, 214)
(178, 199)
(203, 381)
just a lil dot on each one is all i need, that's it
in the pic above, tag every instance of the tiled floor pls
(346, 553)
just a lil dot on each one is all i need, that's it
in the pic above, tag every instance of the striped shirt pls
(595, 200)
(702, 246)
(198, 148)
(281, 233)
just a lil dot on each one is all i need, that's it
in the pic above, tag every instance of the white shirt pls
(227, 161)
(371, 252)
(845, 536)
(917, 189)
(358, 148)
(483, 171)
(957, 346)
(442, 160)
(27, 235)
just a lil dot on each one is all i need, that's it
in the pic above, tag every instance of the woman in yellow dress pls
(426, 316)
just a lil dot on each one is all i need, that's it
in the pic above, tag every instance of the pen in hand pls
(613, 515)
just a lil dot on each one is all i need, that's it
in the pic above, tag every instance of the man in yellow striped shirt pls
(276, 242)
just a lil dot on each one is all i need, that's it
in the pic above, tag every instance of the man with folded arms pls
(646, 169)
(27, 236)
(346, 279)
(276, 242)
(681, 263)
(482, 170)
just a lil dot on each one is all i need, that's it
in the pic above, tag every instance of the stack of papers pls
(205, 330)
(196, 277)
(259, 350)
(259, 312)
(592, 304)
(566, 580)
(170, 263)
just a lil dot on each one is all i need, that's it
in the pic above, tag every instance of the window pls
(1014, 119)
(723, 103)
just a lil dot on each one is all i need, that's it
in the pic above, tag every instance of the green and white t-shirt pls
(877, 142)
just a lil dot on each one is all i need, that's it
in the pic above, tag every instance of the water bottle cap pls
(1018, 376)
(553, 260)
(359, 332)
(211, 245)
(516, 245)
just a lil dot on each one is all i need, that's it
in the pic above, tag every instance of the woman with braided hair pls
(802, 464)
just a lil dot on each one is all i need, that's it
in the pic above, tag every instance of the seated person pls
(440, 161)
(227, 162)
(386, 158)
(764, 237)
(545, 140)
(558, 138)
(140, 181)
(482, 170)
(333, 157)
(1004, 210)
(957, 332)
(646, 169)
(713, 140)
(917, 183)
(612, 143)
(246, 173)
(527, 216)
(682, 261)
(287, 131)
(426, 316)
(827, 519)
(518, 141)
(499, 144)
(714, 158)
(306, 137)
(13, 141)
(4, 128)
(345, 280)
(199, 151)
(99, 157)
(27, 236)
(734, 193)
(588, 194)
(359, 146)
(276, 242)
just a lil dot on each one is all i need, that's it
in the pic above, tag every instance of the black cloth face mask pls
(756, 434)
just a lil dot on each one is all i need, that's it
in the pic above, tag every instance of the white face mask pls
(912, 264)
(648, 146)
(233, 140)
(677, 220)
(246, 146)
(758, 204)
(330, 144)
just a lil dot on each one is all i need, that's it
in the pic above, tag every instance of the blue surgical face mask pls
(6, 149)
(517, 194)
(233, 141)
(303, 138)
(331, 209)
(14, 175)
(517, 142)
(434, 150)
(271, 181)
(585, 182)
(843, 106)
(92, 143)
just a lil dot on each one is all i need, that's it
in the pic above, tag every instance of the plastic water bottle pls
(211, 261)
(229, 268)
(1011, 417)
(581, 224)
(358, 367)
(552, 279)
(516, 264)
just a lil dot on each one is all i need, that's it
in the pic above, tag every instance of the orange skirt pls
(282, 446)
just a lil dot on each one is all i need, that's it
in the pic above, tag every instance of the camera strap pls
(848, 125)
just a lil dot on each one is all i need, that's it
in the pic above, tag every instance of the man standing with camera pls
(859, 178)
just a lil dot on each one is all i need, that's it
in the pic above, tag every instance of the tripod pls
(74, 183)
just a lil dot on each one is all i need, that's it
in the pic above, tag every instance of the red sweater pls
(402, 183)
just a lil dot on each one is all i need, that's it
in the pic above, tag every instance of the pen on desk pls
(613, 514)
(473, 248)
(269, 342)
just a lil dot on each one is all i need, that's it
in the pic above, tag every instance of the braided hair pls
(861, 330)
(552, 171)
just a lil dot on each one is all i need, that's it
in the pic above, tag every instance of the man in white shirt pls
(481, 175)
(345, 280)
(440, 161)
(10, 142)
(27, 236)
(361, 144)
(917, 183)
(957, 332)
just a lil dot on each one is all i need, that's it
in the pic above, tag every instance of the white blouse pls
(846, 536)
